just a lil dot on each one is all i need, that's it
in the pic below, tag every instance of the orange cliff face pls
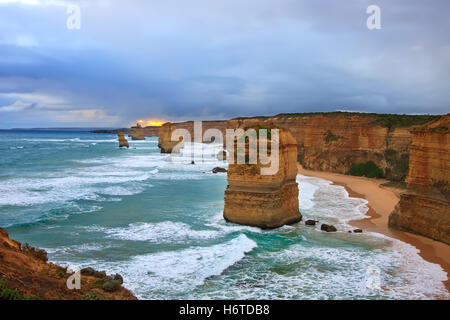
(425, 208)
(337, 141)
(430, 157)
(265, 201)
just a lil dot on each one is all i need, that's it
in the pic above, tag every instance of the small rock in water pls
(311, 222)
(357, 231)
(192, 162)
(218, 169)
(328, 228)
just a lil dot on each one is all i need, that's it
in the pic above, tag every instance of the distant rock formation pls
(265, 201)
(425, 207)
(137, 132)
(26, 274)
(123, 143)
(165, 142)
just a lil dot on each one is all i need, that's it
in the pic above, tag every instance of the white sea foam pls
(25, 192)
(321, 200)
(171, 273)
(341, 273)
(76, 249)
(161, 232)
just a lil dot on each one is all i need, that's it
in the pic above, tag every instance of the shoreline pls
(381, 202)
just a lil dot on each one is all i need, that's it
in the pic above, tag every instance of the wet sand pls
(382, 201)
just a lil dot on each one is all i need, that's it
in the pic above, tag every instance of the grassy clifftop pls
(382, 119)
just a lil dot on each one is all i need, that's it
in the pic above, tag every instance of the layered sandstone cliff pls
(137, 132)
(339, 140)
(123, 142)
(265, 201)
(425, 207)
(25, 274)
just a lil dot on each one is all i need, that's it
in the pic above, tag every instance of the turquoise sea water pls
(157, 220)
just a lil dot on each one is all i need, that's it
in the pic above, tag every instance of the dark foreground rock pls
(328, 228)
(219, 170)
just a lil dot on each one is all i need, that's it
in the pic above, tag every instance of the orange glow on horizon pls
(151, 122)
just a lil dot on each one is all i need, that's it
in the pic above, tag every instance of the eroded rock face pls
(165, 142)
(265, 201)
(336, 141)
(425, 207)
(137, 132)
(123, 143)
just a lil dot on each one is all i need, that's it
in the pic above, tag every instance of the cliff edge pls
(425, 207)
(25, 274)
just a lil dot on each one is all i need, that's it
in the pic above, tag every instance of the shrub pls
(368, 169)
(7, 293)
(329, 136)
(37, 253)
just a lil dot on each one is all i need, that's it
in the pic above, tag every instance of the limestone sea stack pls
(165, 142)
(137, 132)
(123, 142)
(265, 201)
(425, 207)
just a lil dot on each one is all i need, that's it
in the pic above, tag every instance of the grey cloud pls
(219, 59)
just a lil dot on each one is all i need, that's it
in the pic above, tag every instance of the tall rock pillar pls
(265, 201)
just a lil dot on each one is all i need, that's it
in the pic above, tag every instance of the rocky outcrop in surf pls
(25, 274)
(265, 201)
(137, 132)
(165, 142)
(425, 207)
(123, 142)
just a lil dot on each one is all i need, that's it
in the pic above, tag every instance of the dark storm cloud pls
(219, 59)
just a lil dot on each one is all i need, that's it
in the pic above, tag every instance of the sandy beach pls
(382, 201)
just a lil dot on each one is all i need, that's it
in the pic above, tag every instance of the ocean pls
(157, 220)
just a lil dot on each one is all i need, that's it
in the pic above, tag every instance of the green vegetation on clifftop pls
(368, 169)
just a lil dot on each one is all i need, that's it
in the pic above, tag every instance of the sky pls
(217, 59)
